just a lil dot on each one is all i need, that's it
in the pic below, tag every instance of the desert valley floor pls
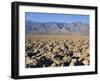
(56, 51)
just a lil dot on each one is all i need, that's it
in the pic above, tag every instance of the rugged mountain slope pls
(77, 28)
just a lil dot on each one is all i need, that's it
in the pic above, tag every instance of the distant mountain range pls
(75, 28)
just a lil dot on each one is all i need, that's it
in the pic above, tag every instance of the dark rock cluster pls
(56, 53)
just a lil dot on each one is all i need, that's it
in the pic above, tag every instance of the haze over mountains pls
(74, 28)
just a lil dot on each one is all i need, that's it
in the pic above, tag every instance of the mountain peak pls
(78, 28)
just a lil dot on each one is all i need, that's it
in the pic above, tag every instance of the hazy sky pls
(52, 17)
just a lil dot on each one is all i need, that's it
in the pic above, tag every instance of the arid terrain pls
(56, 50)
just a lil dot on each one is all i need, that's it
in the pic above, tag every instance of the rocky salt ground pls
(56, 53)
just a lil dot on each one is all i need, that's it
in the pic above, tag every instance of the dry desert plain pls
(56, 50)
